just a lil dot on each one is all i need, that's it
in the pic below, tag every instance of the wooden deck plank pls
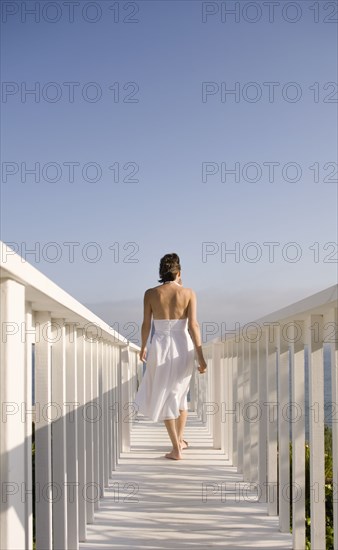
(156, 503)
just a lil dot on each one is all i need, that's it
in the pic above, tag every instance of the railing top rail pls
(318, 303)
(45, 295)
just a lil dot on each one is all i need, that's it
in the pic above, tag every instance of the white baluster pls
(59, 433)
(92, 490)
(283, 432)
(296, 337)
(245, 416)
(13, 394)
(240, 400)
(29, 341)
(125, 402)
(272, 471)
(43, 442)
(81, 431)
(110, 409)
(72, 436)
(115, 408)
(105, 412)
(97, 451)
(314, 335)
(235, 402)
(263, 423)
(255, 410)
(228, 420)
(216, 402)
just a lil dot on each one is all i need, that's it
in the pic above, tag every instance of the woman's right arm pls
(194, 330)
(146, 324)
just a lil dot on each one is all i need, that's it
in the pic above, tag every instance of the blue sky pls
(164, 138)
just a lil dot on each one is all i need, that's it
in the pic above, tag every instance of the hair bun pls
(169, 267)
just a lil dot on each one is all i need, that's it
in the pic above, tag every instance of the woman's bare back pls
(169, 301)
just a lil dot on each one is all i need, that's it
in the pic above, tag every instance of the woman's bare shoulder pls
(189, 291)
(189, 294)
(152, 290)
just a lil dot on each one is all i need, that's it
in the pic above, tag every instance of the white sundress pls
(170, 361)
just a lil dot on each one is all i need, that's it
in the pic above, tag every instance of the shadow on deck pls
(199, 502)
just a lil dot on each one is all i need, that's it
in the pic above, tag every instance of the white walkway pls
(155, 503)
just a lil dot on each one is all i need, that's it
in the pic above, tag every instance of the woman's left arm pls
(146, 324)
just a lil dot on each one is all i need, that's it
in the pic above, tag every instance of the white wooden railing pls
(254, 397)
(85, 379)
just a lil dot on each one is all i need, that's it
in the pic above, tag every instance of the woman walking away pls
(162, 395)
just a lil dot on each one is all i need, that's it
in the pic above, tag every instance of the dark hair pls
(169, 267)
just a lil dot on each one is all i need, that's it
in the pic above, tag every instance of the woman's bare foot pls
(174, 455)
(183, 444)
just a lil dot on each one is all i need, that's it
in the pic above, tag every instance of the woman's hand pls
(202, 366)
(143, 354)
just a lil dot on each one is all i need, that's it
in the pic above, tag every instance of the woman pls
(162, 394)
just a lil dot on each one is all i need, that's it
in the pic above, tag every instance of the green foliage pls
(33, 482)
(328, 491)
(328, 488)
